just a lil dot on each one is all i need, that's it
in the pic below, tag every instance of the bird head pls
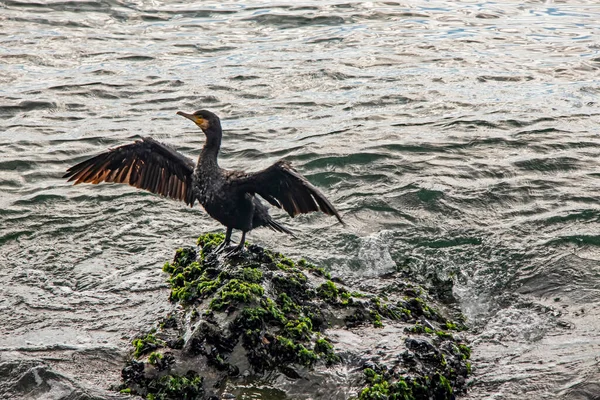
(206, 120)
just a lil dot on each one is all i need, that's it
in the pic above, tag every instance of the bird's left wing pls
(282, 186)
(145, 164)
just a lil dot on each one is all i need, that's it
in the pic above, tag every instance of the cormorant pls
(228, 196)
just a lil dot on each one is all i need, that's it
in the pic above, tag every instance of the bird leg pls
(225, 242)
(239, 248)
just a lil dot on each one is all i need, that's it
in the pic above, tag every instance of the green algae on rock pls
(146, 343)
(262, 315)
(161, 387)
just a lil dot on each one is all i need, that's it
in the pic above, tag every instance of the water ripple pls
(458, 139)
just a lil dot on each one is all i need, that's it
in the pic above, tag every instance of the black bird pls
(228, 196)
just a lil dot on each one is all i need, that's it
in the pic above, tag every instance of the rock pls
(261, 323)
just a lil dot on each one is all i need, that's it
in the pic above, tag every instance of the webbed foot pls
(237, 249)
(219, 249)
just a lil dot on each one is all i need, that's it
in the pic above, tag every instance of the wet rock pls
(262, 323)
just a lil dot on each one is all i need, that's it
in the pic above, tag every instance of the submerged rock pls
(264, 326)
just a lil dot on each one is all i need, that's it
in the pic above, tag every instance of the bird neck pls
(210, 151)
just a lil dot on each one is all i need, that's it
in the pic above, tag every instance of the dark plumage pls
(227, 196)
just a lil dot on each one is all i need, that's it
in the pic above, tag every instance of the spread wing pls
(282, 186)
(145, 164)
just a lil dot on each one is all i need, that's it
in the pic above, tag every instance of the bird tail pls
(276, 226)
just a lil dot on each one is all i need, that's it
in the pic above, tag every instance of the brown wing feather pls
(145, 164)
(285, 188)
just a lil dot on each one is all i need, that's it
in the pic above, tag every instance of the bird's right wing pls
(145, 164)
(285, 188)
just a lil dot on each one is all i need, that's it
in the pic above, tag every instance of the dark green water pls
(459, 137)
